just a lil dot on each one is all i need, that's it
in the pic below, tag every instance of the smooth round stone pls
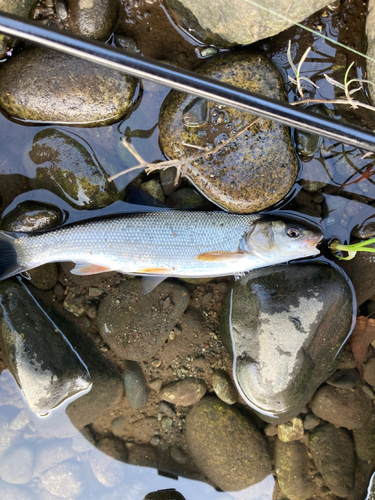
(153, 188)
(223, 387)
(61, 163)
(349, 409)
(93, 18)
(63, 480)
(44, 277)
(16, 467)
(369, 372)
(293, 470)
(189, 198)
(47, 86)
(286, 333)
(168, 180)
(366, 230)
(232, 460)
(332, 450)
(310, 421)
(136, 326)
(184, 392)
(135, 385)
(32, 216)
(258, 168)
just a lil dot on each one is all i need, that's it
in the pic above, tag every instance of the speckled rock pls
(364, 440)
(184, 392)
(232, 23)
(291, 431)
(32, 216)
(223, 387)
(64, 480)
(44, 277)
(286, 333)
(215, 450)
(293, 468)
(93, 18)
(135, 385)
(16, 466)
(258, 168)
(57, 87)
(60, 162)
(332, 450)
(134, 325)
(350, 409)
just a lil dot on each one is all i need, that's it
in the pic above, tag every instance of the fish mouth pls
(314, 241)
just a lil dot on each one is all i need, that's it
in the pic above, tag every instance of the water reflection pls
(52, 456)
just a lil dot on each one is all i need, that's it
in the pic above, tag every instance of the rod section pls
(185, 81)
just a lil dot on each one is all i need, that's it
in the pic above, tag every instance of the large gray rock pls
(237, 22)
(32, 216)
(257, 168)
(287, 325)
(93, 18)
(47, 86)
(44, 364)
(226, 445)
(332, 450)
(134, 325)
(64, 164)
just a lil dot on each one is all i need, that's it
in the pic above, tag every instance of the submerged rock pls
(232, 23)
(47, 86)
(332, 450)
(46, 367)
(62, 163)
(16, 467)
(32, 216)
(256, 169)
(287, 324)
(64, 480)
(93, 18)
(134, 325)
(231, 460)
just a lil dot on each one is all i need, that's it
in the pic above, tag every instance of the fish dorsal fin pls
(151, 282)
(86, 269)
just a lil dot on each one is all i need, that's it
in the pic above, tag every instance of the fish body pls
(162, 244)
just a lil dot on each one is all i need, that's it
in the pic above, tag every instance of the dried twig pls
(181, 165)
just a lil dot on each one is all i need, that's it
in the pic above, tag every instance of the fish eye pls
(292, 232)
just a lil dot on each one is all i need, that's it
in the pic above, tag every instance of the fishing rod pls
(184, 81)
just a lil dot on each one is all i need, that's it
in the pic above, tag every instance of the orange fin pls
(85, 269)
(154, 270)
(220, 256)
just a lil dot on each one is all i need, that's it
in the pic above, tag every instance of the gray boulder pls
(226, 24)
(287, 325)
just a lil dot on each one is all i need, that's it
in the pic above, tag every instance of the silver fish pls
(162, 244)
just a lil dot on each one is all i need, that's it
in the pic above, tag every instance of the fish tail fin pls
(9, 265)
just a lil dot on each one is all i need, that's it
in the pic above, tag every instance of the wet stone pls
(369, 372)
(293, 470)
(287, 318)
(93, 18)
(16, 466)
(22, 9)
(215, 450)
(153, 188)
(189, 198)
(344, 379)
(135, 385)
(44, 277)
(126, 42)
(349, 409)
(366, 230)
(291, 431)
(57, 87)
(167, 179)
(195, 113)
(179, 455)
(32, 216)
(135, 326)
(223, 387)
(226, 24)
(40, 359)
(184, 392)
(332, 450)
(257, 168)
(307, 143)
(61, 163)
(63, 480)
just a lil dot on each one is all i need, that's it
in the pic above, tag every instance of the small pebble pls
(184, 392)
(310, 421)
(291, 431)
(135, 385)
(155, 441)
(223, 387)
(270, 430)
(178, 455)
(344, 379)
(156, 384)
(165, 408)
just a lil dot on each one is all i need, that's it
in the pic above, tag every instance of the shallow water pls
(332, 164)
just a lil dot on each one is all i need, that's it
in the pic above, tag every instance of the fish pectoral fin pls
(220, 256)
(151, 282)
(86, 268)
